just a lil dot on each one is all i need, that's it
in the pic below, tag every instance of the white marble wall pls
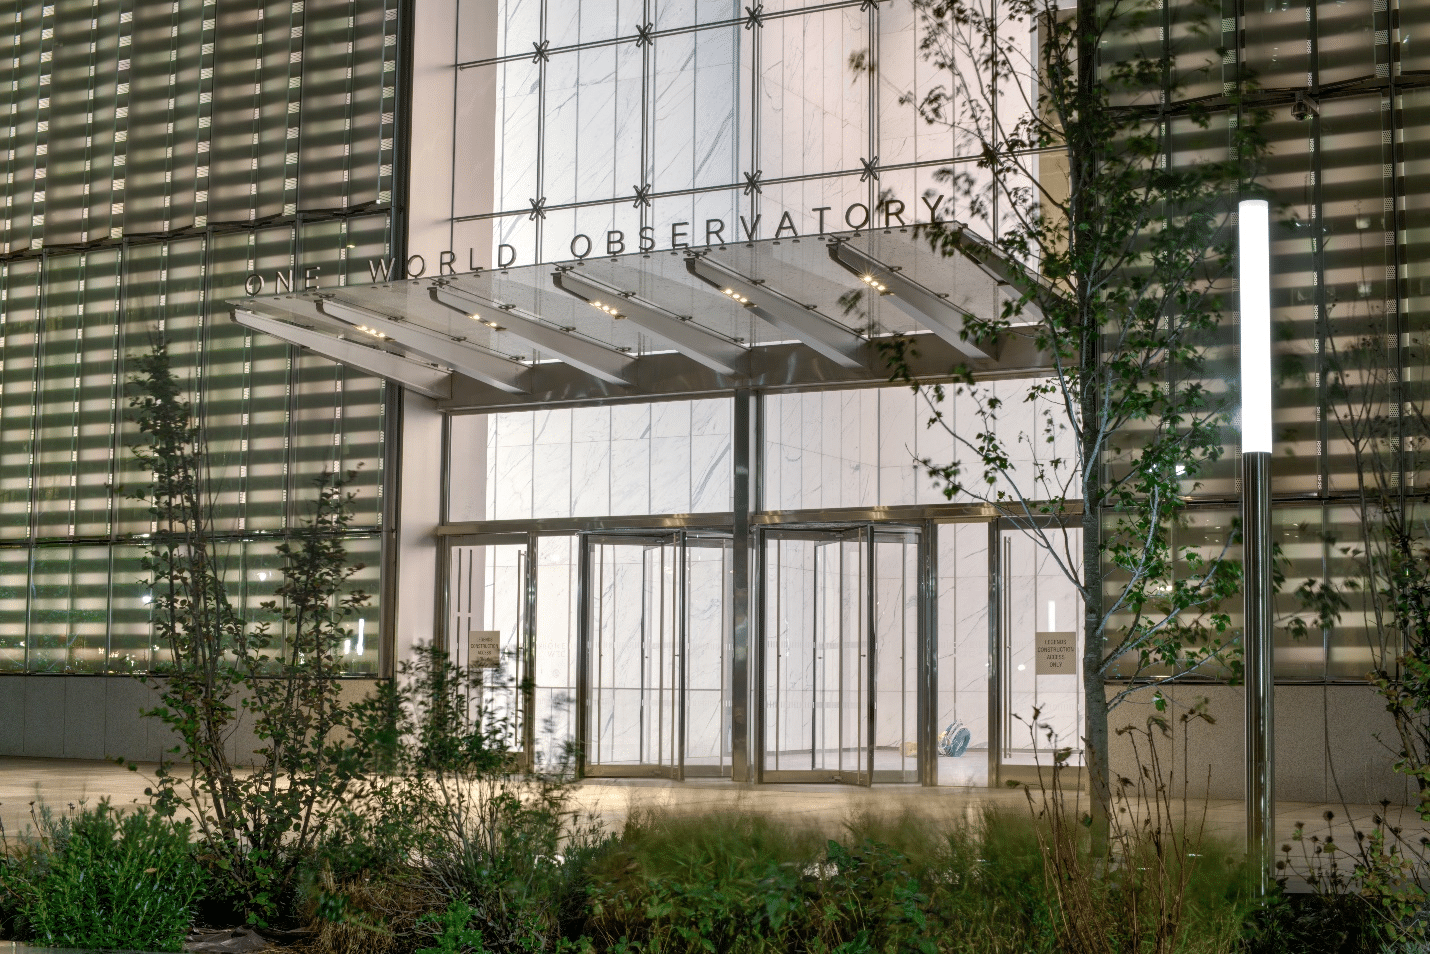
(858, 448)
(963, 647)
(555, 649)
(666, 457)
(813, 113)
(696, 89)
(1042, 600)
(591, 128)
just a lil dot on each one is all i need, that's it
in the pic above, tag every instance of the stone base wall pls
(1333, 744)
(98, 717)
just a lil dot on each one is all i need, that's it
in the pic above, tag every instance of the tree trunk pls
(1083, 154)
(1095, 735)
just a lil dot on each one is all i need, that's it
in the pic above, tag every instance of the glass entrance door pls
(709, 640)
(488, 630)
(839, 661)
(657, 654)
(1041, 665)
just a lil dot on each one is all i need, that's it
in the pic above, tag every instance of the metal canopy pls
(924, 306)
(422, 378)
(500, 373)
(602, 363)
(776, 314)
(676, 331)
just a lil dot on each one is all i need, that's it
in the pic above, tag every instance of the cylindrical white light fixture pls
(1254, 222)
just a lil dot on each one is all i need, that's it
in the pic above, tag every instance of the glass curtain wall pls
(537, 472)
(692, 122)
(156, 155)
(662, 124)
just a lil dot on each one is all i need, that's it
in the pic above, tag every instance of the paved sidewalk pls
(60, 783)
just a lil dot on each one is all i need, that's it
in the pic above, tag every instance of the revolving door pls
(840, 648)
(654, 695)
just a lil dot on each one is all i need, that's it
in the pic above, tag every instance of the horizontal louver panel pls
(151, 156)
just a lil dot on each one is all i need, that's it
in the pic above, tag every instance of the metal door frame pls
(679, 538)
(925, 660)
(999, 647)
(443, 637)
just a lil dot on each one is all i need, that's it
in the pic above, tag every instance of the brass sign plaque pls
(1055, 654)
(483, 648)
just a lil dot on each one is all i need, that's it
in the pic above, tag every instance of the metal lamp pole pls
(1254, 223)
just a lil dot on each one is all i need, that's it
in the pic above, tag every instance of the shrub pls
(1325, 924)
(260, 822)
(1367, 891)
(450, 813)
(455, 935)
(678, 883)
(1136, 875)
(740, 883)
(97, 878)
(984, 875)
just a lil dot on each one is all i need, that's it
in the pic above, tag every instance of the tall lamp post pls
(1254, 223)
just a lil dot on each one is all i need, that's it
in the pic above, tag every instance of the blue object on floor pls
(954, 740)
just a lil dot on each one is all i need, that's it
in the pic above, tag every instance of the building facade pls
(155, 155)
(649, 459)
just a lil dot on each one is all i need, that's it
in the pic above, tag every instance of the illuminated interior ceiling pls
(778, 314)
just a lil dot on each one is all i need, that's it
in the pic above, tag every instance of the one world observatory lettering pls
(888, 212)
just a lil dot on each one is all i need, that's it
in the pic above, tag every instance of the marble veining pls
(630, 476)
(710, 474)
(671, 475)
(519, 25)
(591, 483)
(630, 421)
(551, 475)
(513, 483)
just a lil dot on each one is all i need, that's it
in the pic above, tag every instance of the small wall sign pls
(1055, 654)
(484, 648)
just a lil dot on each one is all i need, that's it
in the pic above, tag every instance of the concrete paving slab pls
(60, 783)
